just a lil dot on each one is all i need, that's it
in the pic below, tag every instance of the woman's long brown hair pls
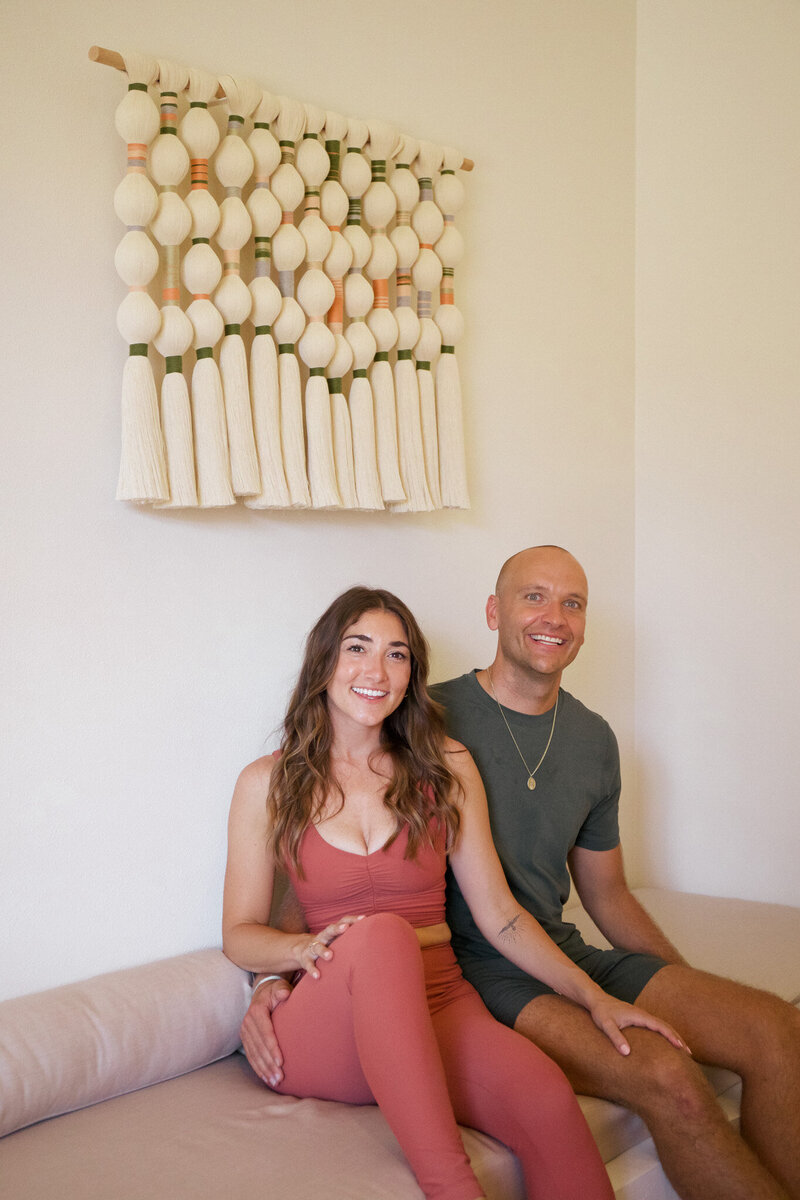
(422, 787)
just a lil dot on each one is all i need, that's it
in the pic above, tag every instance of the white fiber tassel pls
(142, 474)
(452, 467)
(342, 431)
(409, 430)
(382, 383)
(321, 468)
(265, 391)
(245, 475)
(173, 340)
(362, 418)
(287, 329)
(427, 352)
(210, 436)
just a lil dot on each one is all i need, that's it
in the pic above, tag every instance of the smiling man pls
(551, 771)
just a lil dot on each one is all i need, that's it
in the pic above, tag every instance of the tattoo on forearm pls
(509, 930)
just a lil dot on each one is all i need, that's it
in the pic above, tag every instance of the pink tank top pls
(339, 883)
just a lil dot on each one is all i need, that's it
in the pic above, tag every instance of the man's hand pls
(257, 1032)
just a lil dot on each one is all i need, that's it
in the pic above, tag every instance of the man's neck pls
(525, 692)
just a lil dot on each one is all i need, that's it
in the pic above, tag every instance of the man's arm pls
(599, 877)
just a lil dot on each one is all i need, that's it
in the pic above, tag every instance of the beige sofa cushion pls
(75, 1045)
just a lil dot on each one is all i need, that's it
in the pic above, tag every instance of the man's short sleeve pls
(600, 830)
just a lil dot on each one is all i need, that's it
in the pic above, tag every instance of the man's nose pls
(552, 613)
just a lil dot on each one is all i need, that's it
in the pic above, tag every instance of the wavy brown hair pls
(422, 788)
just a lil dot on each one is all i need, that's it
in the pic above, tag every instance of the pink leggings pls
(368, 1031)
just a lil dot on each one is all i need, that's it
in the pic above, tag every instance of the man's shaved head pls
(527, 558)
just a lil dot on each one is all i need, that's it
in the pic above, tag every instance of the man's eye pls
(535, 597)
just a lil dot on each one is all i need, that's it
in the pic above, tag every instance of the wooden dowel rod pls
(110, 58)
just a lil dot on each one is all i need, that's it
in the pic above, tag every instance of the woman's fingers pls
(317, 946)
(645, 1020)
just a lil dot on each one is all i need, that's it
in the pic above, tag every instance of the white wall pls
(717, 438)
(148, 655)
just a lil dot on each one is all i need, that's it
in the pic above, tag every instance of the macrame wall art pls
(317, 257)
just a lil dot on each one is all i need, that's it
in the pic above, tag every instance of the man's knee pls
(769, 1035)
(664, 1083)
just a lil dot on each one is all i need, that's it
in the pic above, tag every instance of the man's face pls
(540, 611)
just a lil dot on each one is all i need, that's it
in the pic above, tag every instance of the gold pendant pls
(531, 783)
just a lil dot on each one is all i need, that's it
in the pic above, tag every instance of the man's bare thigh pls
(721, 1020)
(566, 1032)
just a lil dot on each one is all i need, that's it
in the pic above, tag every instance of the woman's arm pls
(512, 930)
(247, 938)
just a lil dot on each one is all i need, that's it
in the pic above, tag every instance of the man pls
(551, 770)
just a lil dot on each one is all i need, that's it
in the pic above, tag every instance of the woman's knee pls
(384, 929)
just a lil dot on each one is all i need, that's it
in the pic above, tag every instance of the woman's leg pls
(362, 1033)
(522, 1099)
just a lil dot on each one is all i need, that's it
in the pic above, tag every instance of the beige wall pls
(717, 439)
(150, 654)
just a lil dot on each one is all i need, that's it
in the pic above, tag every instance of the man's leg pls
(702, 1155)
(753, 1033)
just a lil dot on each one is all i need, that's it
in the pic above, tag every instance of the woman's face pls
(372, 672)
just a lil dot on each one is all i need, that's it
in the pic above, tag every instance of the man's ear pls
(491, 612)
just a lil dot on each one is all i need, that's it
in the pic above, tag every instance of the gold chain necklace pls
(531, 773)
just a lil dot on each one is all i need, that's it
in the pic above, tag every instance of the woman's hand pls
(314, 946)
(612, 1016)
(258, 1034)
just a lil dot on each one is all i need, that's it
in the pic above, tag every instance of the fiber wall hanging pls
(308, 261)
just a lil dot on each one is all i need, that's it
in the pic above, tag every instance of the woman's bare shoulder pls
(253, 781)
(459, 759)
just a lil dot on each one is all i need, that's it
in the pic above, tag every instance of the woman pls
(362, 805)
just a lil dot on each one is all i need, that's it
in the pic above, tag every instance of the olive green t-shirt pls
(575, 801)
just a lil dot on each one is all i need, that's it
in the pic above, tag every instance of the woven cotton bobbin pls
(142, 472)
(169, 165)
(409, 433)
(355, 176)
(234, 165)
(315, 294)
(449, 194)
(334, 205)
(201, 271)
(426, 273)
(379, 206)
(288, 252)
(265, 213)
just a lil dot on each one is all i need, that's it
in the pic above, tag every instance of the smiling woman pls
(363, 806)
